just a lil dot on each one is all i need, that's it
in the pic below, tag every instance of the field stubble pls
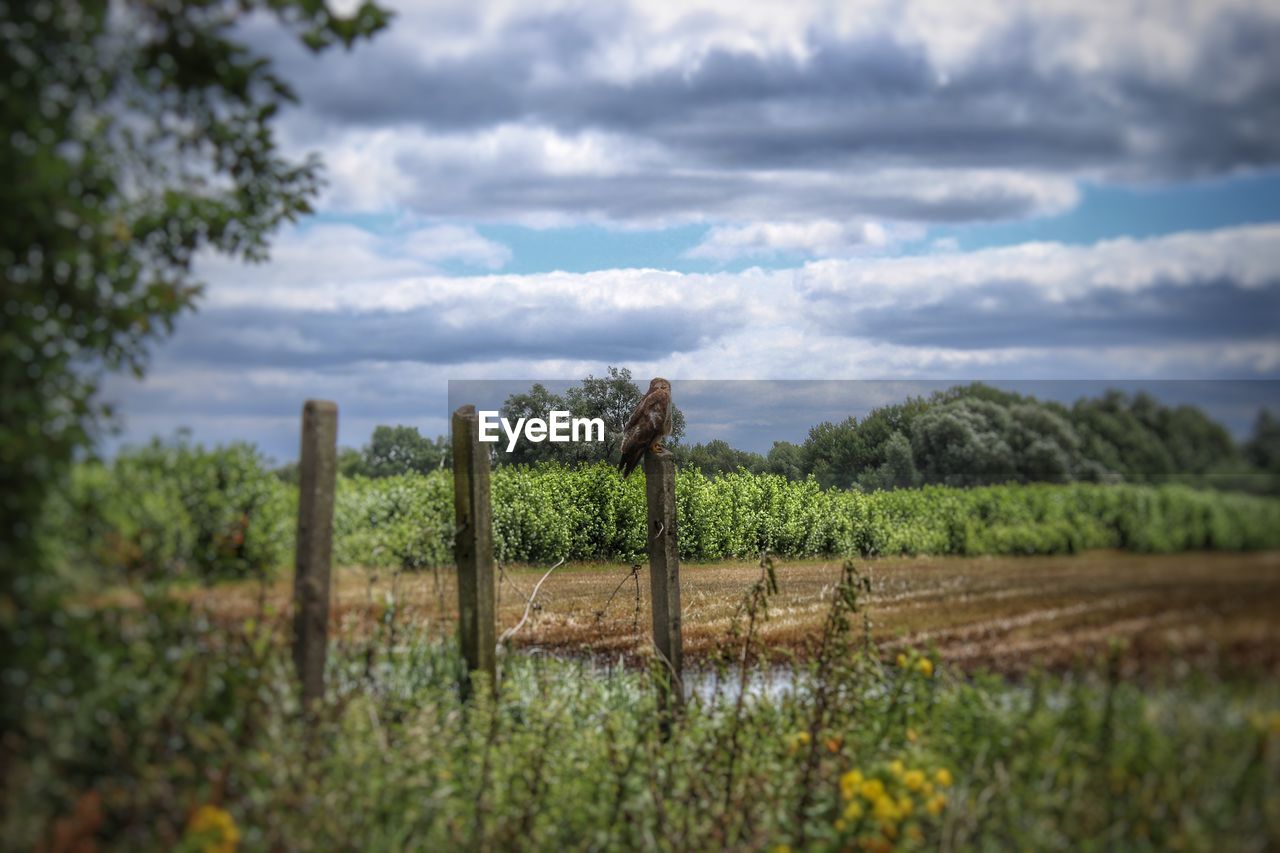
(1198, 611)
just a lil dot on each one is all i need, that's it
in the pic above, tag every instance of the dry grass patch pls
(1199, 609)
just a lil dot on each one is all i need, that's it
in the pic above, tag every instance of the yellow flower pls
(927, 789)
(886, 810)
(925, 666)
(902, 660)
(782, 848)
(853, 811)
(914, 780)
(797, 740)
(872, 789)
(905, 806)
(936, 805)
(896, 767)
(840, 825)
(849, 784)
(943, 777)
(215, 829)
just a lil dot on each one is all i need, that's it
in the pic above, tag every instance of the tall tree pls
(139, 133)
(402, 450)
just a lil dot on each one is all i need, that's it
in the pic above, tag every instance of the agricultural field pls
(173, 719)
(1219, 611)
(1042, 666)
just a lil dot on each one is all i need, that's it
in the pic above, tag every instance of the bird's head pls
(660, 384)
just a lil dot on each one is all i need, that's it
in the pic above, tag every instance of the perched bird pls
(649, 424)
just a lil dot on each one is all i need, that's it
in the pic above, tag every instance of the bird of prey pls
(649, 424)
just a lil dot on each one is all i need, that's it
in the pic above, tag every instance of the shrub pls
(175, 508)
(217, 513)
(548, 512)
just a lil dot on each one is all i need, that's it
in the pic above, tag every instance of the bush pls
(170, 509)
(166, 509)
(548, 512)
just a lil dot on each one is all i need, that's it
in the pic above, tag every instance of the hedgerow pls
(549, 512)
(173, 510)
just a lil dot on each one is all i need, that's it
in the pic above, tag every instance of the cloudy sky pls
(725, 190)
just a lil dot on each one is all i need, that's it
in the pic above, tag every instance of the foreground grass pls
(1202, 610)
(159, 726)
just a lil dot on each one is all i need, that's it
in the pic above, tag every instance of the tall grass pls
(154, 728)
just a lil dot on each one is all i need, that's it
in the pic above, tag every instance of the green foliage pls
(137, 135)
(973, 435)
(717, 457)
(1263, 449)
(401, 450)
(401, 522)
(157, 714)
(548, 512)
(173, 509)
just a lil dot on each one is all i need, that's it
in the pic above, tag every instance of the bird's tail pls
(627, 464)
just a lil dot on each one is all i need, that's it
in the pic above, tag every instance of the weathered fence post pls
(317, 468)
(473, 547)
(664, 580)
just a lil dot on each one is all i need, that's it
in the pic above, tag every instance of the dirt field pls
(1219, 612)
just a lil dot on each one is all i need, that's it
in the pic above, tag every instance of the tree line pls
(968, 435)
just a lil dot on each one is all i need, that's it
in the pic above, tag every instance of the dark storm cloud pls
(866, 99)
(1012, 314)
(443, 190)
(287, 339)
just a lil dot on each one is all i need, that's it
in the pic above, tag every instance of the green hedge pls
(544, 513)
(168, 510)
(174, 510)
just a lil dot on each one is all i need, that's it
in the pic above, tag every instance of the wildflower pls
(834, 744)
(914, 780)
(925, 666)
(943, 777)
(853, 811)
(782, 848)
(849, 784)
(896, 767)
(905, 806)
(215, 829)
(902, 660)
(796, 741)
(936, 805)
(872, 789)
(886, 810)
(840, 825)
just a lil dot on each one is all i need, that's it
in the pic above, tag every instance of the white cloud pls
(1246, 256)
(382, 337)
(768, 239)
(440, 243)
(731, 114)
